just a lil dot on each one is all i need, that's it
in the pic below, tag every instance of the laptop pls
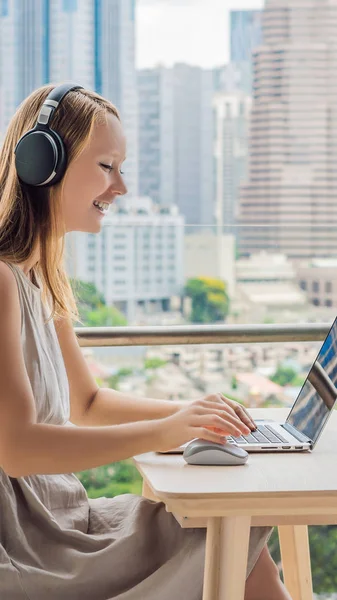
(308, 415)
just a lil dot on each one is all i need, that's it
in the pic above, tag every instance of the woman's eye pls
(108, 167)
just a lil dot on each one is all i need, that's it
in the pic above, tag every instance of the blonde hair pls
(29, 217)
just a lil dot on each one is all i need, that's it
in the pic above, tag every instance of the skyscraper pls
(156, 135)
(24, 52)
(245, 34)
(71, 42)
(176, 140)
(194, 163)
(289, 200)
(91, 42)
(231, 116)
(115, 72)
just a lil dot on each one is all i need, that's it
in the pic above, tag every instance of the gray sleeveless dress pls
(55, 543)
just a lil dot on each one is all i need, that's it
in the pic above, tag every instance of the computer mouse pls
(202, 452)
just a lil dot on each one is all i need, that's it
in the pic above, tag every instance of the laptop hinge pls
(297, 434)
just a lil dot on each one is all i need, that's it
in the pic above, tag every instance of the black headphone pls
(40, 154)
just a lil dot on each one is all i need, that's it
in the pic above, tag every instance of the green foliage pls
(87, 296)
(111, 480)
(210, 301)
(125, 371)
(286, 376)
(323, 544)
(154, 363)
(114, 488)
(92, 306)
(107, 316)
(113, 382)
(234, 398)
(234, 382)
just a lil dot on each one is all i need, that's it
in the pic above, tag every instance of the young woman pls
(55, 543)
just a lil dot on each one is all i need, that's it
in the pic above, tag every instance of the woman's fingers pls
(226, 411)
(240, 411)
(226, 417)
(204, 433)
(215, 421)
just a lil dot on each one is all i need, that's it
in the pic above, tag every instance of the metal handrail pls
(200, 334)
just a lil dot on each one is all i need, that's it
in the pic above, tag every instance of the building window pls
(328, 303)
(315, 286)
(303, 284)
(316, 301)
(328, 288)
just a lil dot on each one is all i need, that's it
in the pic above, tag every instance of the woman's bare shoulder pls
(8, 285)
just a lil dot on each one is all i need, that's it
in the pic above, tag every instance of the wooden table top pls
(303, 474)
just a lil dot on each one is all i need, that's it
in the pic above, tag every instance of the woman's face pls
(94, 176)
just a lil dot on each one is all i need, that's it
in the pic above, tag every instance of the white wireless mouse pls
(202, 452)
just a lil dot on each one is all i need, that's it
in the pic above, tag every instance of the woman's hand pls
(236, 407)
(211, 418)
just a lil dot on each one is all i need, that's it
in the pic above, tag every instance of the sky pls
(191, 31)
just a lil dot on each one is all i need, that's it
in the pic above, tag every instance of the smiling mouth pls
(103, 207)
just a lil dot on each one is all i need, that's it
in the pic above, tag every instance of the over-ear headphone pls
(40, 154)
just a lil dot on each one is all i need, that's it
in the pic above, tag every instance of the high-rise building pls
(245, 34)
(231, 118)
(176, 140)
(115, 72)
(245, 37)
(289, 200)
(71, 42)
(233, 77)
(156, 135)
(91, 42)
(137, 260)
(24, 52)
(193, 126)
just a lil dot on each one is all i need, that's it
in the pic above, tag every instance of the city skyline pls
(158, 21)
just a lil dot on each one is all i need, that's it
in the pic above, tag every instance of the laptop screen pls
(319, 392)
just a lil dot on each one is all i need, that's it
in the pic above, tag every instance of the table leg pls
(295, 555)
(226, 558)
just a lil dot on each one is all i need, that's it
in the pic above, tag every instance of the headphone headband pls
(53, 100)
(40, 154)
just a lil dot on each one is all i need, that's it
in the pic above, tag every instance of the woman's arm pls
(47, 449)
(28, 447)
(91, 405)
(109, 407)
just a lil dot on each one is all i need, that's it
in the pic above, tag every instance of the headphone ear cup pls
(35, 157)
(62, 158)
(40, 158)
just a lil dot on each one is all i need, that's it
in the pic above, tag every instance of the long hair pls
(30, 216)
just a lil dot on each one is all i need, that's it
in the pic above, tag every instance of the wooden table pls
(290, 491)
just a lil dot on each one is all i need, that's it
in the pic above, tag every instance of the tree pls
(87, 294)
(154, 363)
(210, 301)
(92, 306)
(286, 376)
(107, 316)
(323, 540)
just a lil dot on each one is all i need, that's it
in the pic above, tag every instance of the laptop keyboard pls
(264, 434)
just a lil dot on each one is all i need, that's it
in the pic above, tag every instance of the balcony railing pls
(200, 334)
